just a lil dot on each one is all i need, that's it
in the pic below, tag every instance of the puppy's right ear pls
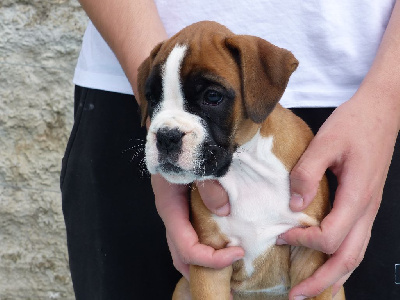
(265, 70)
(143, 73)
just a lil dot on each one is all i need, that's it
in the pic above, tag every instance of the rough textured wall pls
(39, 44)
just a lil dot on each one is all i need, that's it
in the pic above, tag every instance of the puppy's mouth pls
(167, 167)
(175, 174)
(209, 162)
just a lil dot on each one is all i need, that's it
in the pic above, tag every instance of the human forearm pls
(380, 89)
(356, 142)
(131, 29)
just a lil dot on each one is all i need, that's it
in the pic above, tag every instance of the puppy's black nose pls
(169, 141)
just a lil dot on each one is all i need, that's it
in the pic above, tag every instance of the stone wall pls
(39, 44)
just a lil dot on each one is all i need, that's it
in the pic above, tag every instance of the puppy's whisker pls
(137, 154)
(136, 139)
(218, 146)
(134, 147)
(143, 168)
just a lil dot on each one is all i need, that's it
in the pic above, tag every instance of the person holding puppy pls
(348, 53)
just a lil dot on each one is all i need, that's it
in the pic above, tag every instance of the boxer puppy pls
(212, 97)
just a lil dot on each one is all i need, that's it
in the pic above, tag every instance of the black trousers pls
(116, 241)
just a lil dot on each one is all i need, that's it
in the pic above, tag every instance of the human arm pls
(172, 206)
(132, 29)
(356, 143)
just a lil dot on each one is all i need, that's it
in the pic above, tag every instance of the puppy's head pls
(204, 90)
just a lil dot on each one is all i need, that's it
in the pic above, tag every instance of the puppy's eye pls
(213, 97)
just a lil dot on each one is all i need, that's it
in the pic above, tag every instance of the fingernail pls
(299, 297)
(223, 211)
(280, 241)
(296, 201)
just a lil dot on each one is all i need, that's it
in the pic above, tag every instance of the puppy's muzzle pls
(169, 145)
(169, 141)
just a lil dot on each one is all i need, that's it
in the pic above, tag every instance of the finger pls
(178, 263)
(308, 172)
(325, 238)
(338, 285)
(202, 255)
(186, 241)
(214, 196)
(170, 199)
(350, 205)
(343, 262)
(173, 208)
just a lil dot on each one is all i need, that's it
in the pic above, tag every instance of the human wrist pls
(379, 99)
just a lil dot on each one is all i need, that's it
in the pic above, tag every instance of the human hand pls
(356, 143)
(173, 207)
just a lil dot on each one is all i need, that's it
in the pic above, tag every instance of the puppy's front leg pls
(210, 284)
(304, 262)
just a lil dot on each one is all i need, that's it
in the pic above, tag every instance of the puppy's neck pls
(246, 130)
(286, 128)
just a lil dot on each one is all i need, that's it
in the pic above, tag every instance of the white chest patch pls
(258, 187)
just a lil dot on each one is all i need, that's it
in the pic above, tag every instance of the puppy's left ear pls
(143, 73)
(265, 71)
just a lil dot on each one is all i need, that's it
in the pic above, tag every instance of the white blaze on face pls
(172, 89)
(171, 114)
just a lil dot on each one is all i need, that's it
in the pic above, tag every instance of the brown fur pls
(258, 72)
(291, 138)
(278, 264)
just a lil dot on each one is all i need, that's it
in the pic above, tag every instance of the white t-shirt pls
(334, 40)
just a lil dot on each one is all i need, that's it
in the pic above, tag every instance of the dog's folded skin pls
(212, 99)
